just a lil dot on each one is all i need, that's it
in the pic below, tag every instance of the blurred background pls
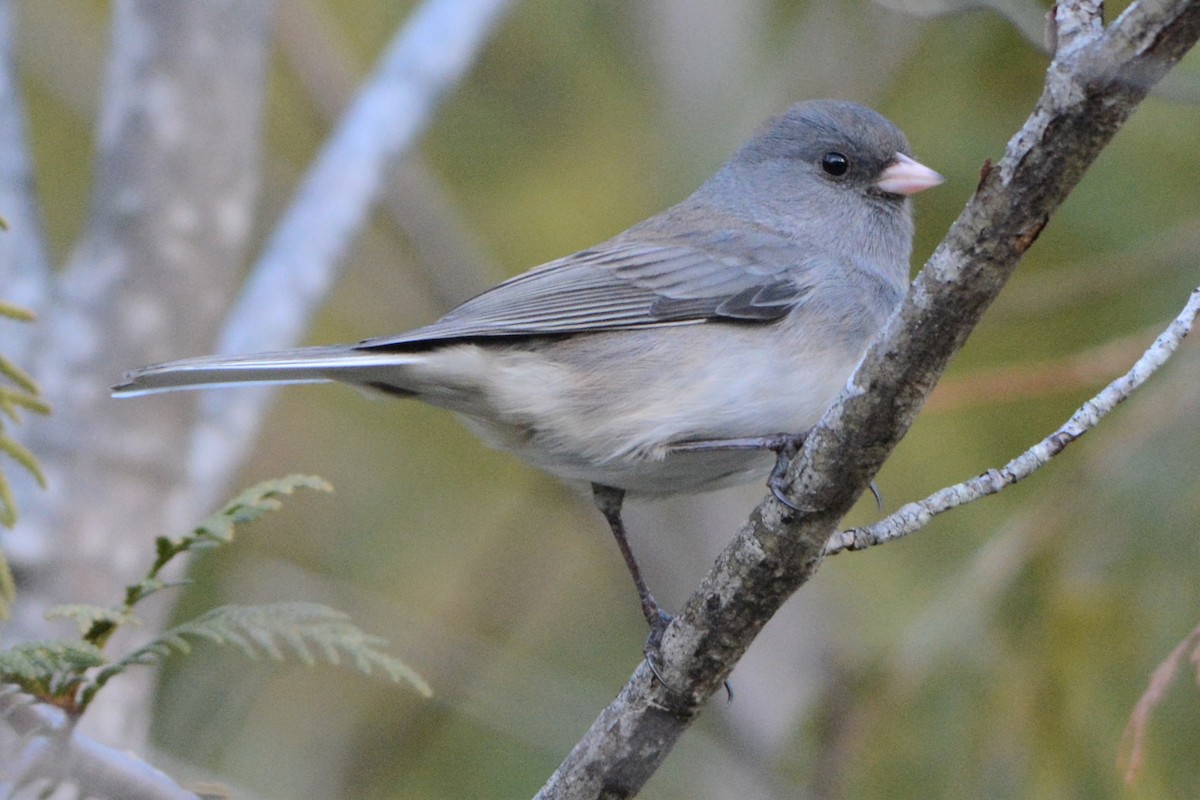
(998, 653)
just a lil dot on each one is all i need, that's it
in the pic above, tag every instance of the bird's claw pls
(776, 487)
(786, 446)
(877, 495)
(652, 649)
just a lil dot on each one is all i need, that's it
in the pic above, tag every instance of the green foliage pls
(308, 631)
(49, 670)
(17, 392)
(70, 674)
(90, 618)
(215, 531)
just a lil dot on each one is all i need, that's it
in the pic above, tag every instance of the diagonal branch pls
(914, 516)
(1093, 85)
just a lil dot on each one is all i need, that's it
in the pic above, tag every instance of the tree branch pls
(429, 55)
(449, 263)
(914, 516)
(1094, 83)
(55, 752)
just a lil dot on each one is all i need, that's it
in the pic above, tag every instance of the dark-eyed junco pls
(665, 359)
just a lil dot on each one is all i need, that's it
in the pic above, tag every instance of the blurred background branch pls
(57, 755)
(306, 250)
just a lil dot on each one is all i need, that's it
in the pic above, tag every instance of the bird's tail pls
(305, 365)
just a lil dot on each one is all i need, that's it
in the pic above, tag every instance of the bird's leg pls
(785, 446)
(608, 500)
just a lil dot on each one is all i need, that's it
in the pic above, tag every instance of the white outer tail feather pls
(305, 365)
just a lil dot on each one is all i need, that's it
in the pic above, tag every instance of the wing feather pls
(634, 282)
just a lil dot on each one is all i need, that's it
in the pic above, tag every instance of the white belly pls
(606, 408)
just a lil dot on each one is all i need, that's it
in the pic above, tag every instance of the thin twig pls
(916, 515)
(1133, 745)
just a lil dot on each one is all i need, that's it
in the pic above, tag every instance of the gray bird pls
(675, 356)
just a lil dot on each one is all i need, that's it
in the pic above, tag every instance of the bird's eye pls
(835, 164)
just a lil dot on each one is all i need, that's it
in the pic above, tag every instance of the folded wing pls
(748, 275)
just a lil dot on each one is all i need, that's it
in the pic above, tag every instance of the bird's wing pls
(743, 275)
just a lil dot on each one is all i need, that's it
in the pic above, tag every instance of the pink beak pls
(907, 176)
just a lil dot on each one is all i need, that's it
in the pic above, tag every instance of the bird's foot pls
(786, 446)
(652, 649)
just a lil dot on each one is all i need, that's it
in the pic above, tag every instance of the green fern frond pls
(143, 589)
(8, 503)
(23, 457)
(12, 400)
(8, 587)
(97, 624)
(254, 502)
(42, 668)
(15, 451)
(16, 312)
(246, 507)
(307, 631)
(218, 529)
(89, 618)
(18, 376)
